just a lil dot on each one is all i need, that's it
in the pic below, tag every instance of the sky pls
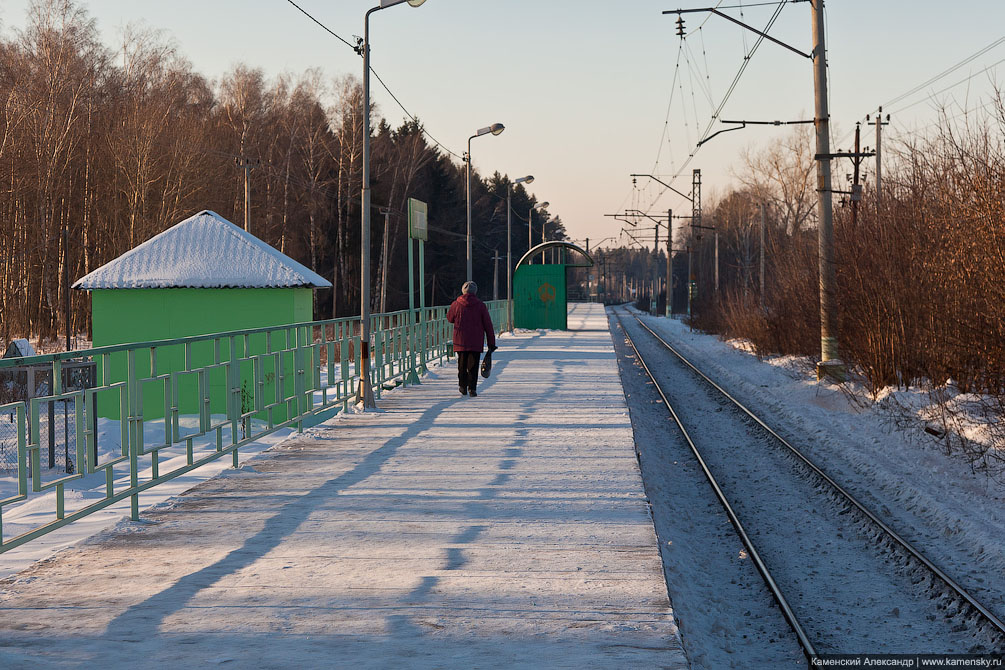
(583, 87)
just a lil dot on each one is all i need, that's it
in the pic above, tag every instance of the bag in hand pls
(487, 364)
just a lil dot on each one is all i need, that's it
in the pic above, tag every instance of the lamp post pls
(495, 129)
(509, 248)
(364, 392)
(531, 216)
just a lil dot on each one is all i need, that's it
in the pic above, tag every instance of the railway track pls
(955, 610)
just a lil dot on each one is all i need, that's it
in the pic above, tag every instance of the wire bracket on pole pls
(744, 124)
(660, 181)
(752, 29)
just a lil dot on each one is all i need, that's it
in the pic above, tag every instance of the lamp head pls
(543, 204)
(524, 180)
(392, 3)
(495, 129)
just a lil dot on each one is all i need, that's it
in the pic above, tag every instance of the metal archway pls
(540, 292)
(557, 244)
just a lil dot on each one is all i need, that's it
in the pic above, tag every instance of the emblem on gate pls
(547, 292)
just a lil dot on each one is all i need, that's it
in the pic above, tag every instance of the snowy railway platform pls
(504, 531)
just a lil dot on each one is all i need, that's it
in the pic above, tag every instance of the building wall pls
(141, 315)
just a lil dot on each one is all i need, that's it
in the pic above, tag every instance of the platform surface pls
(504, 531)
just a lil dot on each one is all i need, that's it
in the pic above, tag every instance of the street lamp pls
(509, 249)
(530, 234)
(364, 393)
(495, 129)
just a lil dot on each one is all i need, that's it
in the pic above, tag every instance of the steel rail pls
(903, 543)
(762, 568)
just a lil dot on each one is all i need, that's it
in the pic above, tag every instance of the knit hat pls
(469, 287)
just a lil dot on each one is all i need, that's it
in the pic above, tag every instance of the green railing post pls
(204, 379)
(412, 378)
(423, 315)
(133, 399)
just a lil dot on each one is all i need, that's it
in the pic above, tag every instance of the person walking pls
(472, 326)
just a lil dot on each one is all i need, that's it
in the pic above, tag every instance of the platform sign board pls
(417, 227)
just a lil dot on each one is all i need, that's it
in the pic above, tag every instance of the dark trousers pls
(467, 369)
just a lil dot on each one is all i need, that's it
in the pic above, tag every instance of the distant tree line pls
(101, 149)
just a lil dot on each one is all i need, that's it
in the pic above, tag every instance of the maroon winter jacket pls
(472, 323)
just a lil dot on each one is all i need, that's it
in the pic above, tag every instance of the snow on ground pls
(848, 592)
(726, 615)
(39, 508)
(954, 516)
(504, 531)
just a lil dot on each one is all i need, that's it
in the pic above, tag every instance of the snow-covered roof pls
(19, 348)
(203, 251)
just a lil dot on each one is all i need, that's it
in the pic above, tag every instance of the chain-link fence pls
(8, 443)
(57, 419)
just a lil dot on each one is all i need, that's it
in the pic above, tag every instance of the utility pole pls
(386, 211)
(544, 258)
(656, 267)
(495, 276)
(530, 233)
(830, 364)
(763, 221)
(856, 192)
(247, 164)
(669, 310)
(695, 225)
(716, 234)
(879, 158)
(690, 280)
(66, 282)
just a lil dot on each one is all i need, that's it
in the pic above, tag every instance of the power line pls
(323, 26)
(678, 81)
(944, 73)
(939, 92)
(422, 128)
(729, 92)
(411, 116)
(969, 59)
(757, 4)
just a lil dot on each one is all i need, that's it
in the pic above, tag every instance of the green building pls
(203, 275)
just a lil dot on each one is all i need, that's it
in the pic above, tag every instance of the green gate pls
(539, 299)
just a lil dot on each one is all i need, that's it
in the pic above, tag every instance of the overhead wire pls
(323, 26)
(944, 73)
(704, 55)
(951, 86)
(729, 92)
(690, 74)
(677, 84)
(694, 65)
(387, 88)
(666, 120)
(743, 32)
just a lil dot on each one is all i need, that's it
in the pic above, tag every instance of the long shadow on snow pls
(143, 619)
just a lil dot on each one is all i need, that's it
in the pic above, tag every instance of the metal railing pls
(170, 406)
